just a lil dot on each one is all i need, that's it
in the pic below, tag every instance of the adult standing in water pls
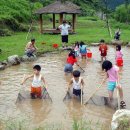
(30, 48)
(64, 28)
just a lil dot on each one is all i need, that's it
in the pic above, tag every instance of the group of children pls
(80, 49)
(77, 81)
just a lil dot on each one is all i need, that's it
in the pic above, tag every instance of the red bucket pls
(119, 62)
(89, 54)
(55, 46)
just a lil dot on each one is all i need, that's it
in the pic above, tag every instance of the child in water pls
(36, 87)
(71, 60)
(119, 54)
(103, 49)
(76, 49)
(83, 50)
(113, 81)
(77, 82)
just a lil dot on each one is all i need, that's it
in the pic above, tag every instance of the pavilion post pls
(41, 24)
(73, 22)
(61, 18)
(54, 25)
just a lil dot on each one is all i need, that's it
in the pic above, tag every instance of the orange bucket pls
(89, 54)
(119, 62)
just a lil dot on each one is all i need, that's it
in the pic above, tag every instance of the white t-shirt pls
(77, 85)
(64, 29)
(36, 81)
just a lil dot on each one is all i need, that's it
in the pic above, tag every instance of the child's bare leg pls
(65, 73)
(82, 57)
(105, 58)
(110, 95)
(101, 58)
(122, 103)
(120, 93)
(63, 44)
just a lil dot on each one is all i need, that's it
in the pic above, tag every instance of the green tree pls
(121, 14)
(127, 10)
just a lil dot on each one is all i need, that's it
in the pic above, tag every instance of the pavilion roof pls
(59, 7)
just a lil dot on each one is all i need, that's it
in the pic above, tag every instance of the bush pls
(15, 12)
(92, 18)
(5, 32)
(121, 13)
(23, 27)
(117, 24)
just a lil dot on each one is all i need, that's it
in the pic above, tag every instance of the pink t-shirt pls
(119, 54)
(76, 48)
(113, 74)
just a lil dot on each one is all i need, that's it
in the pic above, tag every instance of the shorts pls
(84, 55)
(29, 52)
(103, 54)
(36, 92)
(111, 86)
(76, 53)
(77, 92)
(68, 68)
(65, 38)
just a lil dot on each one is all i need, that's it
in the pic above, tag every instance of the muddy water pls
(39, 112)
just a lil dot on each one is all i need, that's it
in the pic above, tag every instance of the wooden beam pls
(54, 25)
(73, 22)
(61, 19)
(41, 24)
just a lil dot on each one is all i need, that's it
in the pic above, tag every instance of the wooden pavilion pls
(59, 8)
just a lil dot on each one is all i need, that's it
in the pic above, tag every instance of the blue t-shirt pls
(83, 49)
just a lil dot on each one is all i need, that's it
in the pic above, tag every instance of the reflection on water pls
(39, 111)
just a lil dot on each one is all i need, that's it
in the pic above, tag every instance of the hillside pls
(15, 15)
(114, 3)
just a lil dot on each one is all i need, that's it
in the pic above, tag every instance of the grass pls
(76, 125)
(87, 30)
(124, 123)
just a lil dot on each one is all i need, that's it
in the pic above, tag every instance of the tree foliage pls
(122, 14)
(13, 13)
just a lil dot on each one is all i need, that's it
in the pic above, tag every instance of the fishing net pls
(20, 98)
(45, 95)
(67, 96)
(81, 70)
(103, 101)
(24, 95)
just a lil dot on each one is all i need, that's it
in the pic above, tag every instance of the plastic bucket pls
(55, 46)
(119, 62)
(89, 54)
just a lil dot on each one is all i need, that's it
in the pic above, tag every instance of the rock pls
(121, 120)
(14, 60)
(95, 44)
(116, 42)
(2, 67)
(128, 45)
(42, 55)
(26, 58)
(4, 62)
